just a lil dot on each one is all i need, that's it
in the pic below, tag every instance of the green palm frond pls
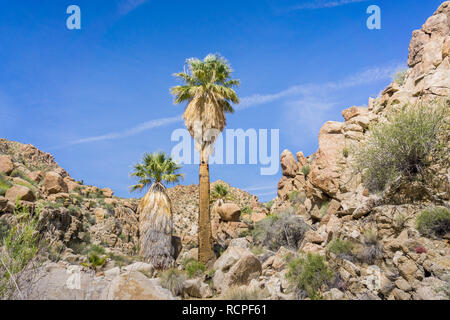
(155, 168)
(211, 77)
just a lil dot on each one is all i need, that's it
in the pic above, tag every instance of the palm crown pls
(208, 90)
(155, 168)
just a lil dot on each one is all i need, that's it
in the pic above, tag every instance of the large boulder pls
(237, 266)
(107, 192)
(135, 286)
(18, 192)
(54, 183)
(288, 163)
(6, 165)
(197, 288)
(228, 211)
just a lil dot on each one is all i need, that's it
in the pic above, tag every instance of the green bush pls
(194, 268)
(434, 222)
(324, 208)
(20, 246)
(372, 249)
(173, 280)
(95, 261)
(309, 274)
(296, 197)
(340, 247)
(305, 170)
(283, 229)
(403, 146)
(17, 173)
(4, 185)
(400, 77)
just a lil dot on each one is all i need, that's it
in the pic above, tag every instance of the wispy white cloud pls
(320, 4)
(259, 188)
(368, 76)
(126, 6)
(155, 123)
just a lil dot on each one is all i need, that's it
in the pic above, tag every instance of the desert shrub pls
(173, 280)
(194, 268)
(257, 250)
(305, 170)
(246, 210)
(399, 221)
(434, 222)
(400, 77)
(309, 274)
(297, 197)
(95, 260)
(371, 250)
(104, 205)
(324, 208)
(403, 146)
(268, 204)
(284, 229)
(244, 293)
(120, 260)
(340, 247)
(17, 173)
(345, 152)
(19, 246)
(4, 185)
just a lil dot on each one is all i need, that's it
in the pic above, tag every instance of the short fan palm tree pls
(208, 91)
(155, 209)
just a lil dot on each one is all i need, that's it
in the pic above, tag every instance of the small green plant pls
(120, 260)
(269, 204)
(95, 261)
(340, 247)
(17, 173)
(305, 170)
(434, 222)
(246, 210)
(309, 274)
(195, 268)
(20, 246)
(345, 152)
(4, 184)
(399, 222)
(404, 146)
(324, 208)
(257, 250)
(400, 77)
(173, 280)
(243, 293)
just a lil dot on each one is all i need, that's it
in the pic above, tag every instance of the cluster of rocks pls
(328, 192)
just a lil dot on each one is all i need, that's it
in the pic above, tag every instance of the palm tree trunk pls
(205, 250)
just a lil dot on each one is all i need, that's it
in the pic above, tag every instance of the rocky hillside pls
(75, 220)
(327, 190)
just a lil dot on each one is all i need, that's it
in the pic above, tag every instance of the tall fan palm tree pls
(155, 209)
(208, 91)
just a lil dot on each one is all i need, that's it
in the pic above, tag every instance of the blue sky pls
(98, 98)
